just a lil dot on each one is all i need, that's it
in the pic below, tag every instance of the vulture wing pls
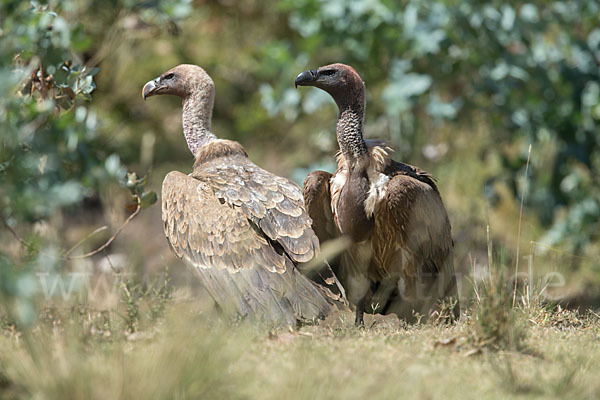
(210, 233)
(272, 205)
(399, 168)
(414, 208)
(317, 198)
(215, 223)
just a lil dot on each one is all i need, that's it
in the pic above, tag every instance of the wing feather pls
(209, 233)
(243, 233)
(317, 198)
(273, 204)
(413, 209)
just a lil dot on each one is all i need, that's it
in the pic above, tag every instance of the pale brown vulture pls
(241, 227)
(400, 259)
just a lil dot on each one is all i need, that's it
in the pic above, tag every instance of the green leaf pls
(148, 199)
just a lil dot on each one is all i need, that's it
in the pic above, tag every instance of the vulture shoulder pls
(231, 214)
(317, 198)
(396, 168)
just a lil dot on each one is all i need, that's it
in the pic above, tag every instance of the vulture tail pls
(276, 299)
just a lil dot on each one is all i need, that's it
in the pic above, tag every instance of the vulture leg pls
(364, 304)
(383, 295)
(360, 313)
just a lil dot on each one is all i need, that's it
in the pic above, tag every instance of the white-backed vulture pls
(400, 259)
(243, 229)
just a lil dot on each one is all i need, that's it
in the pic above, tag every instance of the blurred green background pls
(462, 89)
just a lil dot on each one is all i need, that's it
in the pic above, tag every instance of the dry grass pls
(182, 352)
(147, 344)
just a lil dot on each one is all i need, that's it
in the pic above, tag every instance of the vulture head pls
(183, 81)
(341, 81)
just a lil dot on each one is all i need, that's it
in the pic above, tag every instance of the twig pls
(111, 42)
(519, 230)
(98, 230)
(112, 238)
(554, 249)
(112, 267)
(16, 236)
(338, 284)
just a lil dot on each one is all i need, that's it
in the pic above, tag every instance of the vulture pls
(400, 258)
(243, 229)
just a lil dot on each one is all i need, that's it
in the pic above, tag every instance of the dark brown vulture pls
(400, 259)
(241, 227)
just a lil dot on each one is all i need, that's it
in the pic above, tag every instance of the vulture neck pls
(197, 115)
(349, 131)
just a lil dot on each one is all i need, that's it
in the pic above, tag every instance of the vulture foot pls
(360, 313)
(362, 304)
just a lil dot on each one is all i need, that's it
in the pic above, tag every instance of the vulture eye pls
(169, 76)
(328, 72)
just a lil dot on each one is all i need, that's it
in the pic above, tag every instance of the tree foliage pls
(52, 156)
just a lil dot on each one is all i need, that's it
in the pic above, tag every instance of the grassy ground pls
(137, 344)
(160, 345)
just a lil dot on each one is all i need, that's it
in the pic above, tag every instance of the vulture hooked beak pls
(306, 78)
(151, 87)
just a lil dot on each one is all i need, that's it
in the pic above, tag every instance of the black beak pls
(150, 88)
(306, 78)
